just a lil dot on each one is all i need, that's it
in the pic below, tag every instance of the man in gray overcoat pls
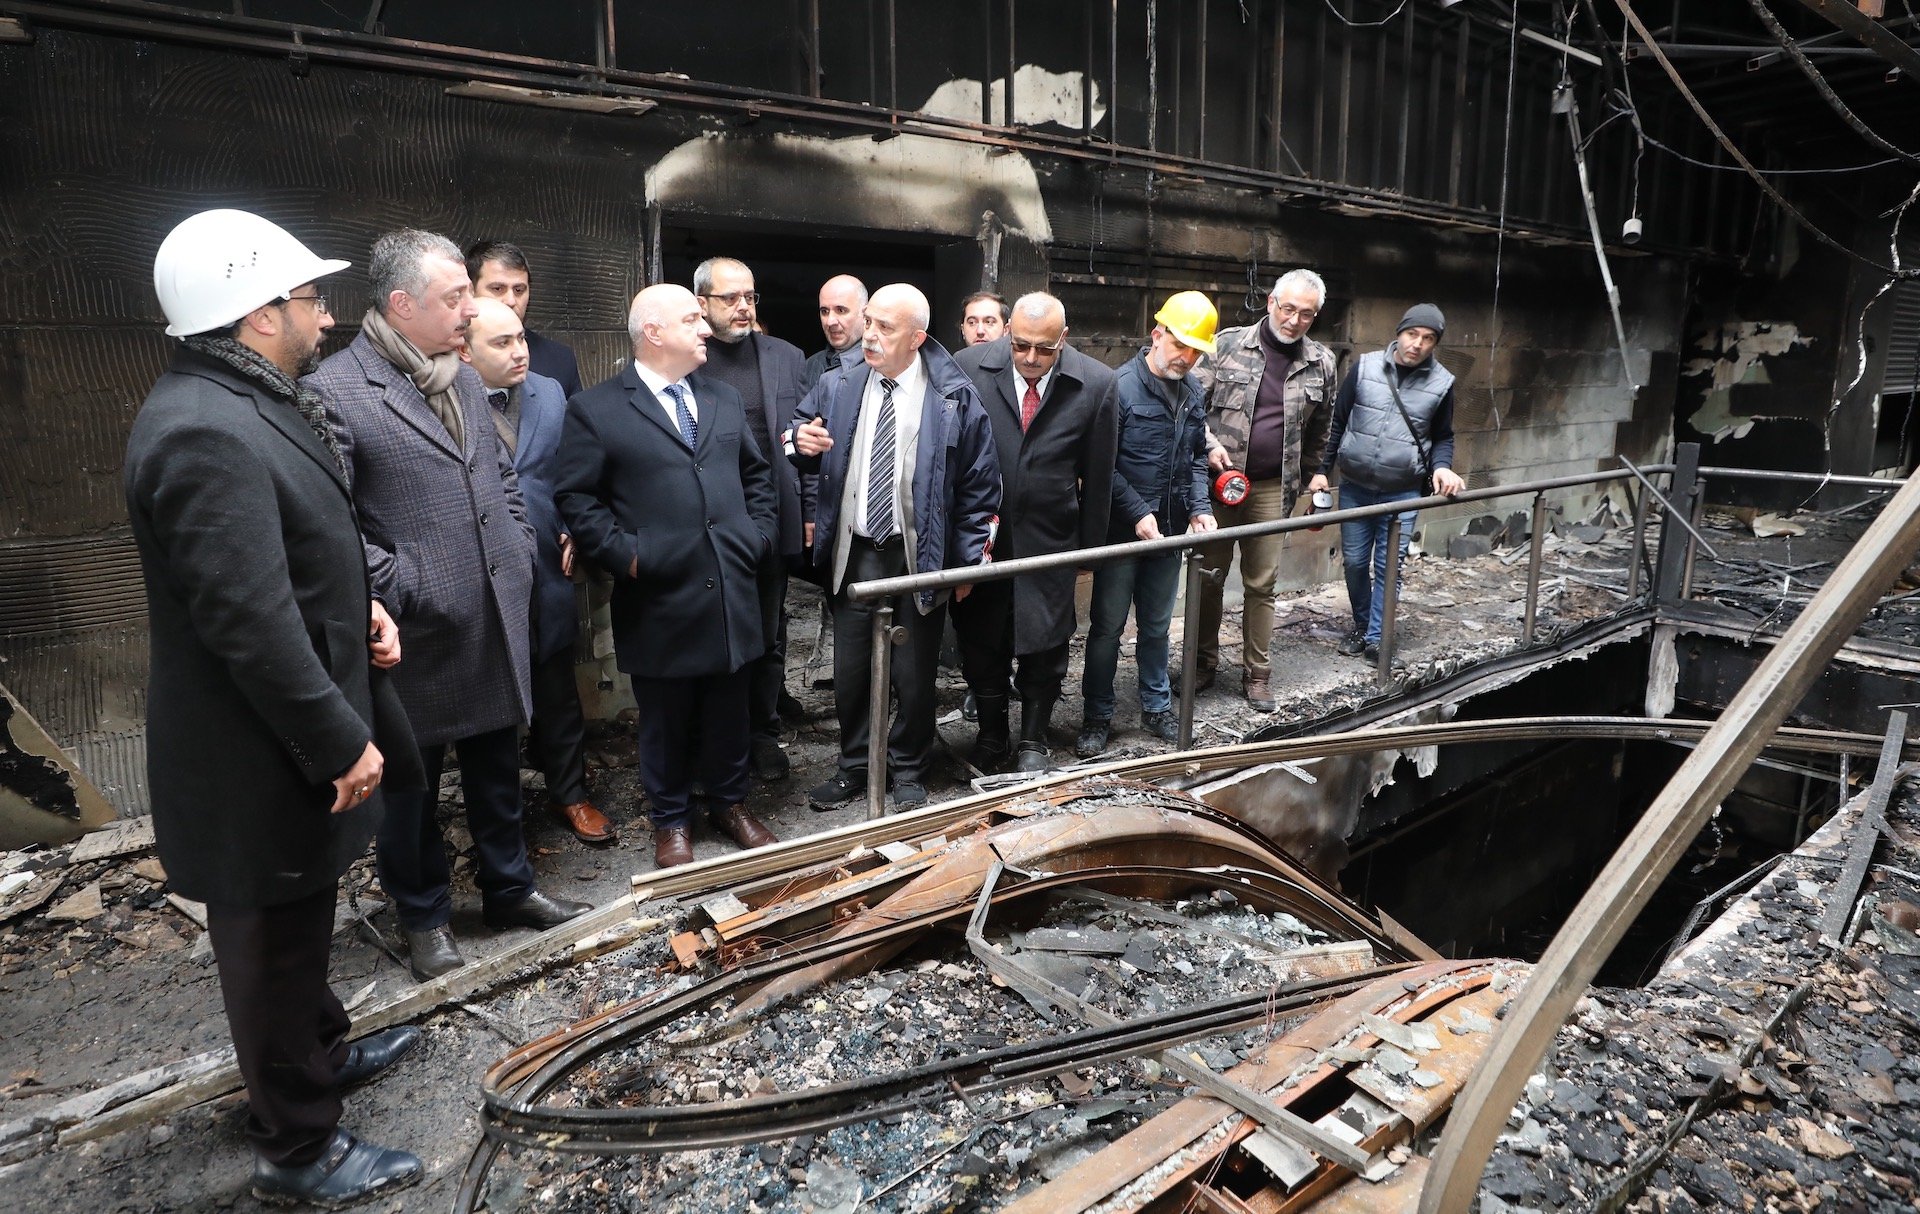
(261, 621)
(1054, 427)
(451, 555)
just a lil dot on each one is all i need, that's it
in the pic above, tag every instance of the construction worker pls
(1159, 489)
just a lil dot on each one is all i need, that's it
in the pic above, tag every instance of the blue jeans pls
(1148, 586)
(1363, 549)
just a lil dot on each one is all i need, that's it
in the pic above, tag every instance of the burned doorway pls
(790, 261)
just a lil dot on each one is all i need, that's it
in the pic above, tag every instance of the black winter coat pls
(261, 690)
(1055, 478)
(698, 523)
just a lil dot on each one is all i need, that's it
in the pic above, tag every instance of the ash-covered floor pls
(101, 977)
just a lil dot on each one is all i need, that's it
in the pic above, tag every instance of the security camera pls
(1630, 230)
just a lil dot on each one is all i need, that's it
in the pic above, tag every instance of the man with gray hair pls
(450, 553)
(909, 483)
(1269, 388)
(1054, 431)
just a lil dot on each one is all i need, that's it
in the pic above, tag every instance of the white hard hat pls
(217, 266)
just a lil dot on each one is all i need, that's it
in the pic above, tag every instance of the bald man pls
(909, 482)
(662, 484)
(528, 412)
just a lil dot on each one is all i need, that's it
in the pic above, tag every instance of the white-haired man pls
(909, 482)
(1269, 390)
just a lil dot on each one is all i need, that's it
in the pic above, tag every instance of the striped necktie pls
(880, 491)
(689, 430)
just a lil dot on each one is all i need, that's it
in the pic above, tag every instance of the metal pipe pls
(1821, 478)
(1389, 602)
(879, 710)
(1190, 647)
(1536, 542)
(1642, 501)
(1006, 115)
(1699, 516)
(1677, 517)
(813, 48)
(1200, 41)
(893, 60)
(1089, 558)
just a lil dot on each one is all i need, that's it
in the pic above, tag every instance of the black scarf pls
(263, 371)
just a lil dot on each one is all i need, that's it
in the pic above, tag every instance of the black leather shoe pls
(970, 708)
(1371, 653)
(370, 1055)
(839, 790)
(432, 953)
(536, 910)
(1162, 725)
(769, 760)
(1093, 738)
(1351, 645)
(1033, 759)
(908, 795)
(348, 1172)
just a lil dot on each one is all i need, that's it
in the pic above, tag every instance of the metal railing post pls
(1693, 546)
(1189, 647)
(1642, 501)
(1535, 542)
(1389, 601)
(1683, 489)
(879, 709)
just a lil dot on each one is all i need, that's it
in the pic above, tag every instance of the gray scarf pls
(263, 371)
(434, 377)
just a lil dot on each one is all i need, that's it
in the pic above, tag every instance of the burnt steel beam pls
(140, 19)
(1657, 842)
(1883, 42)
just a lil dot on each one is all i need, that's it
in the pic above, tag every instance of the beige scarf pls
(434, 377)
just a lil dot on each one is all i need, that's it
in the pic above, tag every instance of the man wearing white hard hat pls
(270, 652)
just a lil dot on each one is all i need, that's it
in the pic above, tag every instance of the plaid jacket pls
(1231, 379)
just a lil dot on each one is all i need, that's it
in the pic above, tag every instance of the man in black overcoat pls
(662, 484)
(268, 646)
(1054, 427)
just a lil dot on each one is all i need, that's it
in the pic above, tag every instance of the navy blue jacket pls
(956, 482)
(1162, 461)
(543, 414)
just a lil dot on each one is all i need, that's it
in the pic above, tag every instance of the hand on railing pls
(1146, 528)
(1447, 482)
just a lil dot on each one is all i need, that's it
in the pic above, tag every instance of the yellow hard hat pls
(1191, 318)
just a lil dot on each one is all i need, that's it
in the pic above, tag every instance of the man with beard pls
(270, 724)
(767, 374)
(451, 555)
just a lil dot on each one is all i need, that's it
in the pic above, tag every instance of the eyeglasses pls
(733, 297)
(319, 303)
(1035, 347)
(1289, 312)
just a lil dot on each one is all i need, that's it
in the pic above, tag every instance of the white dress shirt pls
(658, 385)
(909, 395)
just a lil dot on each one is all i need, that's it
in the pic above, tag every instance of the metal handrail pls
(885, 635)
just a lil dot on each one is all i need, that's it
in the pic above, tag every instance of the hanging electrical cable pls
(1740, 158)
(1398, 9)
(1820, 84)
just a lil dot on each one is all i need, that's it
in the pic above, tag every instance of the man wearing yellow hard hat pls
(1159, 488)
(1268, 389)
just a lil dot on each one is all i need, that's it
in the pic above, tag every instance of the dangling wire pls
(1346, 20)
(1500, 233)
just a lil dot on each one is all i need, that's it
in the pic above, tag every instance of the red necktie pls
(1029, 404)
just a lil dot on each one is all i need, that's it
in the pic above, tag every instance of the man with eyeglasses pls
(1052, 410)
(769, 375)
(451, 554)
(1268, 391)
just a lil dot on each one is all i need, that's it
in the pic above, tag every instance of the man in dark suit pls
(528, 413)
(261, 620)
(908, 483)
(767, 374)
(451, 555)
(1054, 425)
(663, 485)
(499, 271)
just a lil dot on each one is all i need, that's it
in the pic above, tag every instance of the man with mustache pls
(450, 553)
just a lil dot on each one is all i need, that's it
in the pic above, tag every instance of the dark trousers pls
(767, 674)
(557, 740)
(984, 622)
(289, 1030)
(411, 854)
(692, 729)
(915, 668)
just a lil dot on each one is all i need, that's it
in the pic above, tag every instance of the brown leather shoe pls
(1260, 692)
(743, 826)
(672, 845)
(588, 824)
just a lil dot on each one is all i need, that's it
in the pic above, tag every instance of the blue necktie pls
(689, 432)
(880, 524)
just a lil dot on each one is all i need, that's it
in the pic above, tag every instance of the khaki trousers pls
(1259, 569)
